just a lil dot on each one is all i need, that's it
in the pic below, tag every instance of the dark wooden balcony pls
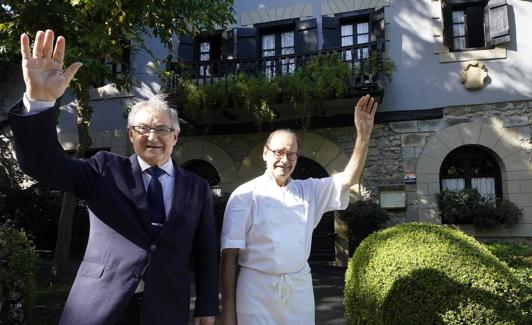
(367, 77)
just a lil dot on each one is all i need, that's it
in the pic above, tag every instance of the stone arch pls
(516, 168)
(213, 154)
(311, 145)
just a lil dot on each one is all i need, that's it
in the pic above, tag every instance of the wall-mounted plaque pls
(392, 197)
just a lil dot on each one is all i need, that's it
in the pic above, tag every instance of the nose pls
(152, 135)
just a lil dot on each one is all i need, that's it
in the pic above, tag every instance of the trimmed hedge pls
(429, 274)
(17, 276)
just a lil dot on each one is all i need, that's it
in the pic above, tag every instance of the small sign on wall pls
(392, 197)
(410, 178)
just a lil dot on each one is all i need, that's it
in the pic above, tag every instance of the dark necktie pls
(156, 201)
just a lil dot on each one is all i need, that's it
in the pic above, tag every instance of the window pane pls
(268, 53)
(458, 30)
(205, 47)
(363, 53)
(268, 42)
(453, 184)
(287, 39)
(347, 30)
(362, 28)
(347, 40)
(484, 185)
(348, 55)
(458, 17)
(361, 39)
(204, 57)
(459, 43)
(288, 50)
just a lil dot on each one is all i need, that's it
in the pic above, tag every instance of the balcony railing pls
(365, 62)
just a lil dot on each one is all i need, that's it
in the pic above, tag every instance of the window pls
(471, 167)
(278, 44)
(472, 25)
(355, 36)
(204, 56)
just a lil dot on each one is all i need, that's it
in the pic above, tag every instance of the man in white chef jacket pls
(267, 230)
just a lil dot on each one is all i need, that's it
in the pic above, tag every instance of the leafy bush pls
(429, 274)
(468, 206)
(363, 217)
(17, 275)
(36, 210)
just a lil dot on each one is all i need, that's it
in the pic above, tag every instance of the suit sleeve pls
(41, 156)
(206, 259)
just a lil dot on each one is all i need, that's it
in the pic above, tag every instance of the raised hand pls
(43, 71)
(364, 116)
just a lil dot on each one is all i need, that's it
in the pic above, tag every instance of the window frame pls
(466, 154)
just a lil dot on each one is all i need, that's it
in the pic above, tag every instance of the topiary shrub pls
(429, 274)
(17, 276)
(363, 217)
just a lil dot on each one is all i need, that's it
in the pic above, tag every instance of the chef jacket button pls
(153, 248)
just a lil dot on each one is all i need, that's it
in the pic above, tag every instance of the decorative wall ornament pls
(473, 74)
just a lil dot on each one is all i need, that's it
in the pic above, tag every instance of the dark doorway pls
(324, 236)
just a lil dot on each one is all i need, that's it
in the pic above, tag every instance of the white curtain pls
(484, 185)
(287, 43)
(268, 45)
(453, 184)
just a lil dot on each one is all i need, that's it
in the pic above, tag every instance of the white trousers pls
(275, 299)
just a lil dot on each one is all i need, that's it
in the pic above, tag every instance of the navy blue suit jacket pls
(119, 251)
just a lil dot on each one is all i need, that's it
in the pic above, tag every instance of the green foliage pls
(36, 210)
(363, 218)
(322, 78)
(429, 274)
(468, 206)
(17, 275)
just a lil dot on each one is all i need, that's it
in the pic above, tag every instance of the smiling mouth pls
(153, 147)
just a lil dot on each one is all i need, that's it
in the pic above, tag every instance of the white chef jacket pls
(272, 226)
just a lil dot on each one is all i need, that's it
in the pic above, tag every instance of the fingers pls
(48, 44)
(59, 52)
(71, 71)
(367, 104)
(39, 45)
(25, 47)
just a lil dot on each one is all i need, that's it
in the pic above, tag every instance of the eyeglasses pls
(159, 131)
(279, 154)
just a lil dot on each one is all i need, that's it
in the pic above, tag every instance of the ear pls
(130, 134)
(264, 154)
(176, 137)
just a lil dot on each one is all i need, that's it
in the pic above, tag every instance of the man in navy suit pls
(148, 216)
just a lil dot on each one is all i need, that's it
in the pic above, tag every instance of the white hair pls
(157, 103)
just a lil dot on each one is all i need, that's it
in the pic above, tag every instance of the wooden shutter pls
(228, 45)
(185, 49)
(246, 43)
(377, 28)
(447, 17)
(497, 27)
(306, 36)
(331, 36)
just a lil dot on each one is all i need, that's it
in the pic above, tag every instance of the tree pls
(99, 32)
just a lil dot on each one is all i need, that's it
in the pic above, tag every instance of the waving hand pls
(43, 69)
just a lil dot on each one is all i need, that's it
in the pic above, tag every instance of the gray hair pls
(157, 103)
(287, 131)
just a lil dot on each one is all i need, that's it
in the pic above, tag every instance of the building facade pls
(457, 113)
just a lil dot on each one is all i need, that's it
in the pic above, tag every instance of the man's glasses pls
(159, 131)
(279, 154)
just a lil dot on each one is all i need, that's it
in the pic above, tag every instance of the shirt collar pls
(272, 181)
(168, 167)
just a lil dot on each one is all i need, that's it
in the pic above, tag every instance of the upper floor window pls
(471, 25)
(278, 44)
(355, 35)
(205, 56)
